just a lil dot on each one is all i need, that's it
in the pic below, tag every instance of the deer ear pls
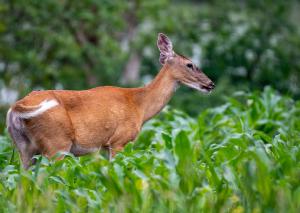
(165, 47)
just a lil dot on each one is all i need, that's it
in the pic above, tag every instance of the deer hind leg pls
(27, 153)
(26, 150)
(53, 142)
(54, 146)
(25, 147)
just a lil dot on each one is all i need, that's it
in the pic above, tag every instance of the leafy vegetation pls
(243, 156)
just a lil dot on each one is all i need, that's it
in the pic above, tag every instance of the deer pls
(80, 122)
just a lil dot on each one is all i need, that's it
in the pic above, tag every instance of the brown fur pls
(87, 120)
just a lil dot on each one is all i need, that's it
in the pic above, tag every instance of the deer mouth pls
(202, 88)
(209, 87)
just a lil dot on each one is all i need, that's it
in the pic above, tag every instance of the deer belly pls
(79, 150)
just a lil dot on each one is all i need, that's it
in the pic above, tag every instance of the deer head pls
(182, 68)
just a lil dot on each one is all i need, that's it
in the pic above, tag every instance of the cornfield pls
(243, 156)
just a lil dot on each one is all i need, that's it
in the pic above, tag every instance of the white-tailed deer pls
(81, 122)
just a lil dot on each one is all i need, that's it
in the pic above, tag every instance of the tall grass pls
(243, 156)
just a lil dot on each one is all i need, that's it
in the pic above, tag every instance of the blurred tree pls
(68, 44)
(55, 44)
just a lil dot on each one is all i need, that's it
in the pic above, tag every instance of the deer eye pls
(189, 65)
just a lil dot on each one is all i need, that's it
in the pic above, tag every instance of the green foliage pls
(64, 44)
(75, 45)
(240, 44)
(56, 43)
(243, 156)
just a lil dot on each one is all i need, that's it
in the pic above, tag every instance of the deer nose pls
(211, 85)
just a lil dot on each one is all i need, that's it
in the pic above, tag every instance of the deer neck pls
(157, 94)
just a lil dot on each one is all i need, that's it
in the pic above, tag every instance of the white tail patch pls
(41, 108)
